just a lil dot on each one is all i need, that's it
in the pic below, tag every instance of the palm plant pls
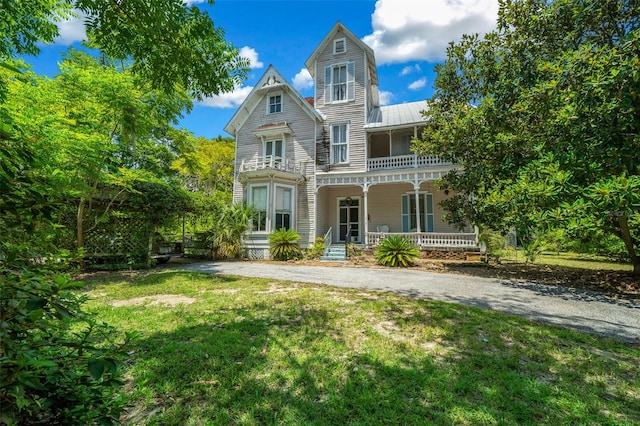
(284, 244)
(396, 251)
(234, 223)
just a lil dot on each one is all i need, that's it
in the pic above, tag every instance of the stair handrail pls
(327, 240)
(347, 238)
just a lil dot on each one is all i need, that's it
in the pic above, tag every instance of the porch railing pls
(272, 162)
(429, 239)
(404, 161)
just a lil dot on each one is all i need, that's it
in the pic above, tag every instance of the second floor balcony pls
(404, 162)
(272, 165)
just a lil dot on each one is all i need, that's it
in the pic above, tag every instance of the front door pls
(349, 217)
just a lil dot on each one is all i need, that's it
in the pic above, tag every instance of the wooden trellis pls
(120, 236)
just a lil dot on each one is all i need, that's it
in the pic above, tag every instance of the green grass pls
(256, 351)
(583, 261)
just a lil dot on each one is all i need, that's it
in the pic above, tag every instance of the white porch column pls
(415, 154)
(417, 191)
(365, 193)
(315, 214)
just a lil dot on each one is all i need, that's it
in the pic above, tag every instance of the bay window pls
(258, 196)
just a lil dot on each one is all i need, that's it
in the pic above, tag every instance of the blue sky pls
(408, 36)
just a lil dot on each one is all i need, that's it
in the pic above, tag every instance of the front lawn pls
(223, 350)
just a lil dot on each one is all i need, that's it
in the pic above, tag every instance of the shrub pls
(316, 250)
(353, 250)
(58, 364)
(532, 248)
(235, 221)
(396, 251)
(284, 244)
(495, 242)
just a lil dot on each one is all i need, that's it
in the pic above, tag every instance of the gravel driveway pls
(580, 309)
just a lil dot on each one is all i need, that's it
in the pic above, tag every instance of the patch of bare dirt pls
(155, 300)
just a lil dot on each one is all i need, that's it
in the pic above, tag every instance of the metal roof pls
(399, 115)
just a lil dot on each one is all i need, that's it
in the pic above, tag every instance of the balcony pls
(272, 165)
(404, 162)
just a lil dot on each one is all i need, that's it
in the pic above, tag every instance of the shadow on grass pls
(266, 364)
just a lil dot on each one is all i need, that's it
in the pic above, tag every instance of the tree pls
(104, 126)
(57, 362)
(168, 44)
(209, 167)
(64, 138)
(543, 116)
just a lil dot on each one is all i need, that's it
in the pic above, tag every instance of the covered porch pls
(366, 209)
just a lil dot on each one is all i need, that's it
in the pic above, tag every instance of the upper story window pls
(273, 151)
(339, 83)
(275, 103)
(339, 45)
(339, 143)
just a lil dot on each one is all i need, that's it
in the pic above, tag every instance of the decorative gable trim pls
(269, 81)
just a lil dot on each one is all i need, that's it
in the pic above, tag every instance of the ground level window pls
(258, 199)
(409, 210)
(284, 211)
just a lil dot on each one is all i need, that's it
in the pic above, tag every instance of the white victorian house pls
(337, 165)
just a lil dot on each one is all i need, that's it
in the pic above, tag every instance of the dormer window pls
(339, 45)
(274, 104)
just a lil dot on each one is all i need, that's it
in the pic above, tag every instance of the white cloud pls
(385, 97)
(190, 2)
(418, 84)
(409, 69)
(405, 30)
(251, 54)
(72, 29)
(303, 80)
(228, 100)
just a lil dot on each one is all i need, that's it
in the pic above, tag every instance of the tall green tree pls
(543, 116)
(106, 128)
(209, 166)
(168, 44)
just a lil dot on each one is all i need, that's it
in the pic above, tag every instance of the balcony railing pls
(272, 162)
(429, 239)
(404, 161)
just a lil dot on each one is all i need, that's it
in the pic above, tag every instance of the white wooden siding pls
(300, 146)
(352, 112)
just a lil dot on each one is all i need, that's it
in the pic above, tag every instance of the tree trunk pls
(80, 231)
(625, 234)
(80, 225)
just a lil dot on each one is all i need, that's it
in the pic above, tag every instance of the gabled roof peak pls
(271, 79)
(337, 28)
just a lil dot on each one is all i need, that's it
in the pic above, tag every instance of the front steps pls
(335, 253)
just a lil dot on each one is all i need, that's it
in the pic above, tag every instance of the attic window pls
(339, 45)
(274, 104)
